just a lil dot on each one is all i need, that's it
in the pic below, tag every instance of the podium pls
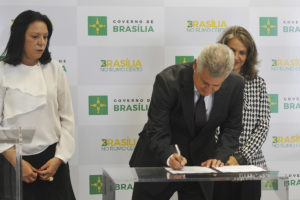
(11, 178)
(113, 175)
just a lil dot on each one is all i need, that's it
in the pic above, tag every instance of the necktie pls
(200, 113)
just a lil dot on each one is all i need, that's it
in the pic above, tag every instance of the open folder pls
(224, 169)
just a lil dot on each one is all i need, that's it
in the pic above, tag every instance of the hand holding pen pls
(177, 161)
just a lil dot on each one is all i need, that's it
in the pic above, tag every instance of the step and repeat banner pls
(112, 50)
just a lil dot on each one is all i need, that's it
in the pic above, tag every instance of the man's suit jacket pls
(171, 120)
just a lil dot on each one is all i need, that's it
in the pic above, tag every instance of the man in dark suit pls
(172, 119)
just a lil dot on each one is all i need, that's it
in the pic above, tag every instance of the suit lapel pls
(187, 99)
(217, 103)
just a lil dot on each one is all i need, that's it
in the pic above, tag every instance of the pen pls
(177, 149)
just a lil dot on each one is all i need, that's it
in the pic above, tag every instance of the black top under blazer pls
(171, 120)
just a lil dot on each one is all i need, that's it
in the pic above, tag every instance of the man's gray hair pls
(217, 58)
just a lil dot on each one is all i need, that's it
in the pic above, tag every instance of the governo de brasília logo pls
(268, 26)
(183, 59)
(98, 105)
(96, 184)
(270, 184)
(97, 25)
(273, 102)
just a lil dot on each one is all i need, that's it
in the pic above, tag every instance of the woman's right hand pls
(29, 173)
(232, 161)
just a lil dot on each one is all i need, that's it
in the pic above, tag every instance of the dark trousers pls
(7, 180)
(59, 189)
(164, 191)
(239, 190)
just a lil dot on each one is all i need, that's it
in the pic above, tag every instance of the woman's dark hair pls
(15, 45)
(248, 70)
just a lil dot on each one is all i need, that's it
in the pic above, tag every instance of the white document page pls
(240, 168)
(191, 170)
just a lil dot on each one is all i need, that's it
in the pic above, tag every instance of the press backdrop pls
(112, 50)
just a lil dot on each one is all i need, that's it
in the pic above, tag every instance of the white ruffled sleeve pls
(66, 144)
(3, 147)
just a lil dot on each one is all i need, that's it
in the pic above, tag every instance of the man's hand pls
(177, 161)
(29, 174)
(212, 163)
(49, 168)
(232, 161)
